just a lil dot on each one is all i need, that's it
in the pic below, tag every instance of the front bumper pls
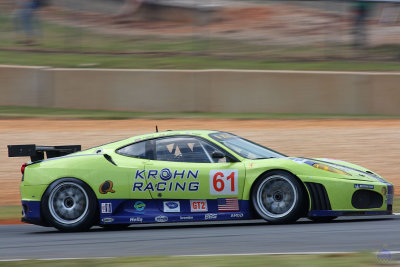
(343, 199)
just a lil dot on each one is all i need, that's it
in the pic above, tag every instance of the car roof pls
(203, 133)
(138, 138)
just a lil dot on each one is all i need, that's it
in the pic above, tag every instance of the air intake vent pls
(319, 197)
(366, 199)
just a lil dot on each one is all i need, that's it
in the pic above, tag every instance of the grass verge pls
(354, 259)
(77, 47)
(36, 112)
(67, 60)
(10, 213)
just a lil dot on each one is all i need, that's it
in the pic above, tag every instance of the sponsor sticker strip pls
(106, 208)
(228, 204)
(364, 186)
(171, 206)
(161, 218)
(198, 205)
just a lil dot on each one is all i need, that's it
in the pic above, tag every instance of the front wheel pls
(278, 197)
(69, 205)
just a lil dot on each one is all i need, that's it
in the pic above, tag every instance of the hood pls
(357, 172)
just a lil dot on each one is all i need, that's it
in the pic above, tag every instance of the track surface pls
(342, 235)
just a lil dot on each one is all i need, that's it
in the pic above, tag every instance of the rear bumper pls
(31, 213)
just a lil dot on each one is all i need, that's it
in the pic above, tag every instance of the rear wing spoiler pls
(39, 152)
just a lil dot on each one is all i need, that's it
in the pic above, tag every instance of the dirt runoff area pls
(374, 144)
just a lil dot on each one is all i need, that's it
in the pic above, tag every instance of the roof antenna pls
(156, 129)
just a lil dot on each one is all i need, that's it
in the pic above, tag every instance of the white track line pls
(282, 253)
(269, 253)
(212, 255)
(58, 259)
(14, 260)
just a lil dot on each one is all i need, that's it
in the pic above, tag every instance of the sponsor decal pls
(166, 174)
(303, 161)
(174, 186)
(136, 219)
(198, 205)
(297, 160)
(139, 206)
(223, 136)
(106, 187)
(384, 256)
(237, 215)
(364, 186)
(107, 220)
(172, 206)
(210, 216)
(228, 204)
(224, 182)
(106, 208)
(161, 218)
(166, 180)
(186, 217)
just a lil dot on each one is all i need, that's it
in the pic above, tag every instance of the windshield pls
(245, 148)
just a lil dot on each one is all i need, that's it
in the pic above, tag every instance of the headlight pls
(384, 191)
(329, 169)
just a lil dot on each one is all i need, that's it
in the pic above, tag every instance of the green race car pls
(182, 176)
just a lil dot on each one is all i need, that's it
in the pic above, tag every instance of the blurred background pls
(238, 34)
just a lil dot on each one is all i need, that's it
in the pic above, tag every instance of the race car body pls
(181, 176)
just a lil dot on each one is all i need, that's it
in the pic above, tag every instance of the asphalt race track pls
(238, 237)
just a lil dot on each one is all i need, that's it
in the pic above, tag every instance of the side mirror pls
(217, 155)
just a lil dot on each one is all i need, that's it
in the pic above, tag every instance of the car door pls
(131, 161)
(183, 168)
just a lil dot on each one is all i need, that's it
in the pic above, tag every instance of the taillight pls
(23, 168)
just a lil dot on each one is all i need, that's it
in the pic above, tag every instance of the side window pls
(137, 150)
(211, 149)
(186, 149)
(181, 149)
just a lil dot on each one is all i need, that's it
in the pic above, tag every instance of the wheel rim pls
(276, 196)
(68, 203)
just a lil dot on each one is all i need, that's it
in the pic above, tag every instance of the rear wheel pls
(278, 197)
(69, 205)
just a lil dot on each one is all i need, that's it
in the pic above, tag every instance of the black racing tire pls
(322, 219)
(69, 205)
(278, 197)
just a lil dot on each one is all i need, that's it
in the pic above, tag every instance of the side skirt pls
(123, 211)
